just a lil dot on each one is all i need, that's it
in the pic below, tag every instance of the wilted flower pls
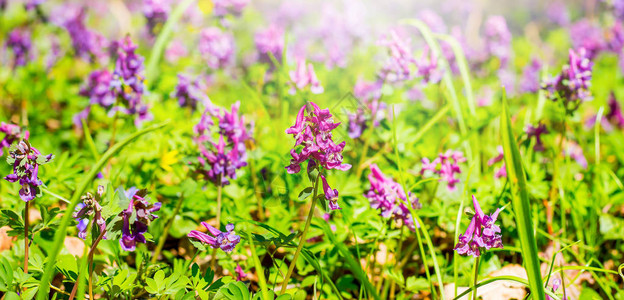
(19, 41)
(531, 77)
(227, 241)
(313, 132)
(536, 132)
(481, 234)
(385, 195)
(219, 161)
(398, 65)
(216, 47)
(303, 77)
(136, 220)
(26, 161)
(573, 83)
(87, 44)
(498, 38)
(190, 92)
(233, 7)
(446, 165)
(89, 208)
(270, 41)
(12, 133)
(128, 80)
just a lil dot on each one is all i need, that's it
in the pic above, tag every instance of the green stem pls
(213, 262)
(165, 234)
(61, 232)
(303, 236)
(26, 221)
(90, 260)
(475, 279)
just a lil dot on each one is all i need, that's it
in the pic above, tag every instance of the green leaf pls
(236, 290)
(521, 205)
(305, 193)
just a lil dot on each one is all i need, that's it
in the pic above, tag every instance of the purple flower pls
(574, 151)
(313, 132)
(536, 132)
(330, 194)
(368, 94)
(219, 161)
(156, 13)
(175, 51)
(227, 241)
(20, 43)
(270, 41)
(12, 133)
(573, 83)
(502, 171)
(589, 36)
(481, 234)
(216, 47)
(190, 92)
(127, 82)
(614, 38)
(98, 88)
(26, 161)
(531, 77)
(558, 13)
(613, 117)
(428, 69)
(446, 165)
(87, 44)
(433, 20)
(303, 77)
(498, 38)
(240, 273)
(385, 195)
(233, 7)
(398, 65)
(556, 284)
(89, 207)
(136, 220)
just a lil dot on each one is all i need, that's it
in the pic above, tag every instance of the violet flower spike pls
(227, 241)
(136, 220)
(330, 194)
(481, 234)
(26, 161)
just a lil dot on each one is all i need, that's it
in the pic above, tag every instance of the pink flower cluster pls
(303, 77)
(12, 133)
(385, 195)
(502, 171)
(314, 132)
(446, 165)
(216, 47)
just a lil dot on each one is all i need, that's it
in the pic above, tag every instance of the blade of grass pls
(463, 69)
(59, 236)
(162, 39)
(89, 139)
(521, 205)
(354, 266)
(259, 270)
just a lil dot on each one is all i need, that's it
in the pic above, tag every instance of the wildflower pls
(233, 7)
(536, 132)
(557, 12)
(589, 36)
(446, 165)
(498, 38)
(175, 51)
(136, 220)
(614, 38)
(88, 44)
(313, 132)
(12, 133)
(190, 92)
(128, 80)
(89, 207)
(270, 41)
(240, 273)
(216, 47)
(303, 77)
(556, 284)
(573, 83)
(388, 196)
(227, 241)
(98, 88)
(19, 41)
(433, 20)
(481, 234)
(398, 65)
(428, 69)
(156, 12)
(368, 93)
(574, 151)
(26, 161)
(219, 161)
(330, 194)
(502, 171)
(530, 77)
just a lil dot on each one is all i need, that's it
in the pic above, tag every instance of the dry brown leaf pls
(5, 240)
(74, 245)
(497, 290)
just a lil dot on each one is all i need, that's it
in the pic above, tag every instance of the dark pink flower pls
(481, 233)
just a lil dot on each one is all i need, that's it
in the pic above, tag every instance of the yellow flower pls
(167, 159)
